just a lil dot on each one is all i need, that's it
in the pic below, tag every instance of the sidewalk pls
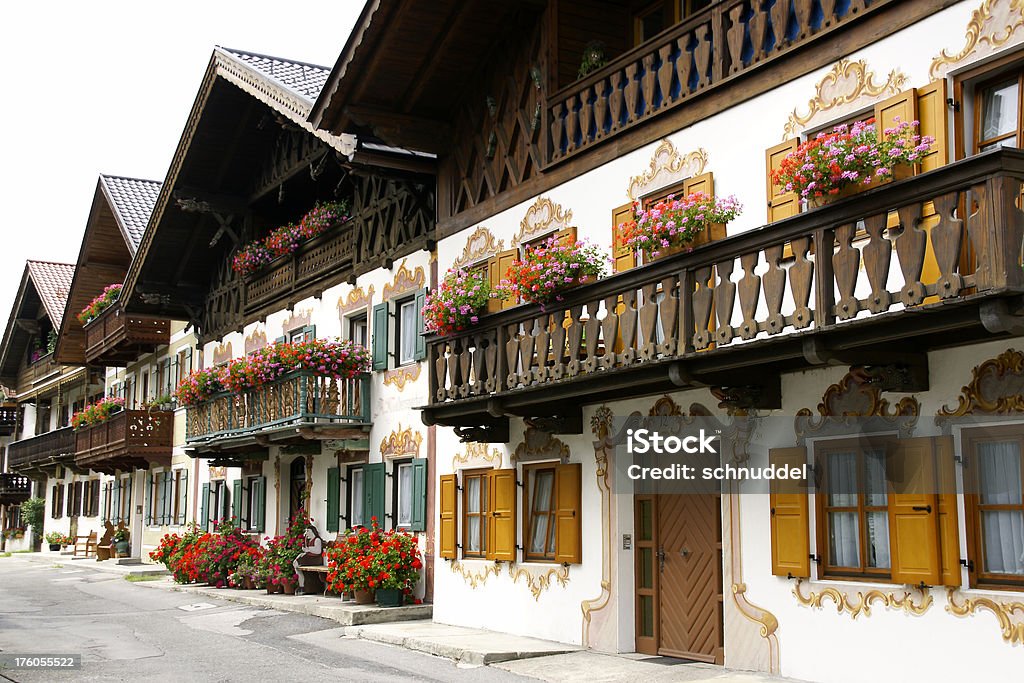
(122, 567)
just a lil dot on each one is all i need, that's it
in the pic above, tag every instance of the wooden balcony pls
(130, 439)
(115, 338)
(14, 488)
(736, 314)
(33, 374)
(41, 454)
(299, 407)
(8, 420)
(712, 48)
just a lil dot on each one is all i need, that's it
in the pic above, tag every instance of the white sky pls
(106, 86)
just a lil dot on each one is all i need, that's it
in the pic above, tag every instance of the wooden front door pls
(679, 576)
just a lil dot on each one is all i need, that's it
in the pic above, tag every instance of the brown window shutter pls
(902, 106)
(790, 524)
(567, 236)
(497, 267)
(501, 524)
(949, 523)
(781, 204)
(914, 513)
(932, 112)
(568, 513)
(447, 532)
(625, 257)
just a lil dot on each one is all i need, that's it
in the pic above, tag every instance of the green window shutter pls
(333, 497)
(419, 494)
(374, 477)
(309, 332)
(236, 501)
(116, 512)
(168, 497)
(204, 507)
(106, 498)
(149, 499)
(183, 510)
(380, 336)
(260, 517)
(421, 341)
(282, 338)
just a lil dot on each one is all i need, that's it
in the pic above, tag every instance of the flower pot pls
(122, 548)
(289, 587)
(389, 597)
(55, 547)
(249, 584)
(364, 597)
(273, 588)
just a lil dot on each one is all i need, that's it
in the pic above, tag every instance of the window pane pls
(1003, 532)
(999, 472)
(473, 534)
(875, 486)
(843, 539)
(999, 110)
(542, 484)
(878, 539)
(647, 615)
(646, 578)
(407, 317)
(538, 534)
(357, 498)
(473, 494)
(645, 523)
(404, 495)
(842, 479)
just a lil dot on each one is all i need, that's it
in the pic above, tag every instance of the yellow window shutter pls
(902, 106)
(932, 113)
(567, 236)
(501, 527)
(914, 512)
(625, 257)
(705, 182)
(447, 532)
(568, 513)
(790, 524)
(949, 523)
(497, 268)
(781, 204)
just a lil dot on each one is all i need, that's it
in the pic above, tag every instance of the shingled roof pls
(52, 282)
(132, 200)
(306, 80)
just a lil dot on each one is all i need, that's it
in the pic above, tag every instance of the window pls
(539, 499)
(404, 494)
(181, 496)
(57, 501)
(357, 330)
(406, 332)
(995, 503)
(302, 334)
(652, 20)
(355, 497)
(997, 113)
(853, 503)
(474, 507)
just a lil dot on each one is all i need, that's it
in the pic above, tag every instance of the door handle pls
(661, 559)
(684, 551)
(922, 508)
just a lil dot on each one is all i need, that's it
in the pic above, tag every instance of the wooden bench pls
(315, 580)
(85, 546)
(105, 547)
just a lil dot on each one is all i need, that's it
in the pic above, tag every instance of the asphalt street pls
(131, 632)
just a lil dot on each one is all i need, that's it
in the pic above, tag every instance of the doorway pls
(678, 580)
(297, 487)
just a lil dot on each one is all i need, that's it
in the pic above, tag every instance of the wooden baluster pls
(541, 345)
(632, 96)
(572, 124)
(801, 276)
(479, 366)
(684, 65)
(780, 20)
(911, 245)
(668, 313)
(758, 26)
(665, 72)
(627, 316)
(750, 295)
(702, 307)
(856, 7)
(802, 13)
(512, 356)
(591, 338)
(557, 129)
(441, 373)
(575, 339)
(946, 239)
(463, 361)
(491, 352)
(526, 347)
(828, 10)
(616, 99)
(702, 54)
(725, 300)
(774, 289)
(734, 37)
(649, 322)
(1005, 192)
(600, 107)
(558, 348)
(586, 116)
(847, 265)
(647, 82)
(610, 331)
(685, 331)
(877, 257)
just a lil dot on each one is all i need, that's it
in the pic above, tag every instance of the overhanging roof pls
(43, 284)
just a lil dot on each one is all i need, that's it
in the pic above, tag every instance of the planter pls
(289, 587)
(55, 547)
(272, 589)
(249, 584)
(122, 548)
(364, 597)
(846, 192)
(389, 597)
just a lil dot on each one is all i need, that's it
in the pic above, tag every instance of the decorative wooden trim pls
(539, 581)
(994, 389)
(476, 453)
(1012, 632)
(218, 472)
(991, 27)
(669, 163)
(539, 445)
(600, 425)
(845, 86)
(401, 443)
(474, 578)
(854, 397)
(405, 281)
(222, 353)
(479, 246)
(356, 298)
(861, 601)
(297, 320)
(256, 341)
(399, 377)
(542, 217)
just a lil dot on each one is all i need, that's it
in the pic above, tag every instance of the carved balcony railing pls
(117, 338)
(328, 253)
(8, 420)
(842, 283)
(14, 488)
(41, 452)
(129, 439)
(299, 403)
(681, 63)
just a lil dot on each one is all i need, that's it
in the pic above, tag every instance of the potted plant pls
(547, 270)
(101, 303)
(281, 551)
(594, 58)
(457, 302)
(374, 565)
(672, 224)
(56, 539)
(847, 159)
(288, 238)
(120, 539)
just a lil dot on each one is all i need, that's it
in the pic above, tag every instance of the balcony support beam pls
(1003, 315)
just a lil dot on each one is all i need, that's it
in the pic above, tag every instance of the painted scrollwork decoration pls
(1012, 630)
(540, 445)
(405, 281)
(855, 397)
(667, 166)
(542, 217)
(400, 377)
(401, 443)
(996, 388)
(539, 581)
(355, 300)
(481, 244)
(993, 26)
(477, 453)
(913, 601)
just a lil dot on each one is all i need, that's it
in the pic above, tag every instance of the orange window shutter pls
(497, 269)
(914, 512)
(623, 254)
(790, 524)
(705, 182)
(949, 523)
(933, 114)
(567, 236)
(501, 526)
(568, 513)
(447, 503)
(781, 204)
(902, 106)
